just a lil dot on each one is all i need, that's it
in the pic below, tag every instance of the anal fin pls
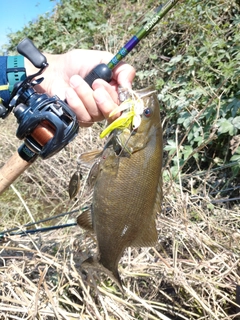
(85, 220)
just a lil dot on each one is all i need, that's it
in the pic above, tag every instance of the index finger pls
(124, 74)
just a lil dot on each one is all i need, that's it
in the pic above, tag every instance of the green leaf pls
(236, 122)
(171, 147)
(175, 60)
(226, 126)
(187, 150)
(235, 157)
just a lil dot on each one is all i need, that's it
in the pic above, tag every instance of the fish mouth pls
(120, 139)
(132, 109)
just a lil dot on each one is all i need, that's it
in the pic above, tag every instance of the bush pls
(195, 65)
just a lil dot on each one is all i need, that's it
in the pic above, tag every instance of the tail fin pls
(95, 264)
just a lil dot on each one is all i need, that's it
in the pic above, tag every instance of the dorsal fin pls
(89, 156)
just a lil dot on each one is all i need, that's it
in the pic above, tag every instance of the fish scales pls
(127, 190)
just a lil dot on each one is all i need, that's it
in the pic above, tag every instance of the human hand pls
(64, 78)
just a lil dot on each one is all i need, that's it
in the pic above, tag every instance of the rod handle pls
(101, 71)
(12, 170)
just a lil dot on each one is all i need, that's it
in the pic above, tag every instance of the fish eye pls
(147, 112)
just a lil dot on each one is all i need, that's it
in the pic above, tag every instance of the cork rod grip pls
(12, 170)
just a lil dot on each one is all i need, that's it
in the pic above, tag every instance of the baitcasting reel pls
(46, 124)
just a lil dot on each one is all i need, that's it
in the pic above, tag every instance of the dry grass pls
(191, 274)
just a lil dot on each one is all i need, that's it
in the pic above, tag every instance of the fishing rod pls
(47, 124)
(104, 71)
(16, 231)
(5, 235)
(40, 221)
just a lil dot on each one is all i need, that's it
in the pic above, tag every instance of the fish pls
(127, 189)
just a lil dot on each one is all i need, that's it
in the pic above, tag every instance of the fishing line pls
(40, 221)
(125, 145)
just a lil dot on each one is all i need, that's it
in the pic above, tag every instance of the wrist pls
(12, 70)
(4, 92)
(15, 70)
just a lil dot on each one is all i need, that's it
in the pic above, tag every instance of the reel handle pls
(27, 49)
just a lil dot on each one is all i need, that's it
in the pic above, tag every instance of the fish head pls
(150, 116)
(141, 119)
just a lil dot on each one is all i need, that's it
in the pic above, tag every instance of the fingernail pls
(75, 81)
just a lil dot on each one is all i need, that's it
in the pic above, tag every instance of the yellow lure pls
(128, 118)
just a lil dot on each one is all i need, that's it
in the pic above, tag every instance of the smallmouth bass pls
(127, 191)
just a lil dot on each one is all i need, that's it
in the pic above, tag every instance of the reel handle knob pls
(29, 51)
